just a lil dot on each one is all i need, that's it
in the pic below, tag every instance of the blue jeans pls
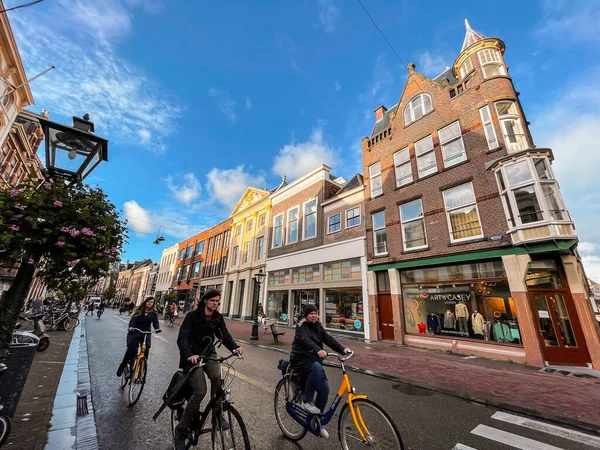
(316, 381)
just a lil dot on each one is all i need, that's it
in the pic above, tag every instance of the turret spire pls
(471, 36)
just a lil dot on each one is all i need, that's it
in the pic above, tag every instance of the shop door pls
(386, 316)
(559, 330)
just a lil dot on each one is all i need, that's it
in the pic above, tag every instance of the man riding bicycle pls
(307, 359)
(204, 321)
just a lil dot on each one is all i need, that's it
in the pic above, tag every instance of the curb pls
(583, 426)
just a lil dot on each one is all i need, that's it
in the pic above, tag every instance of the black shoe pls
(121, 369)
(179, 440)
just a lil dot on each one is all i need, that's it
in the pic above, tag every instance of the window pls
(402, 167)
(292, 225)
(342, 270)
(491, 63)
(308, 274)
(279, 277)
(453, 147)
(236, 252)
(226, 237)
(335, 223)
(246, 252)
(218, 242)
(260, 248)
(353, 217)
(379, 233)
(181, 254)
(310, 219)
(466, 67)
(417, 108)
(199, 247)
(210, 244)
(462, 213)
(177, 274)
(238, 230)
(196, 269)
(413, 225)
(262, 220)
(375, 179)
(344, 309)
(278, 230)
(249, 225)
(514, 138)
(426, 163)
(488, 127)
(186, 272)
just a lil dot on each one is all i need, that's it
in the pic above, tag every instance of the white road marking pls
(462, 447)
(572, 435)
(510, 439)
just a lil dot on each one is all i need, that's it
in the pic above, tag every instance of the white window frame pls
(409, 110)
(260, 248)
(249, 225)
(273, 244)
(236, 253)
(288, 239)
(411, 220)
(181, 254)
(463, 70)
(359, 217)
(402, 159)
(424, 172)
(246, 252)
(375, 174)
(385, 252)
(339, 223)
(199, 246)
(304, 216)
(199, 265)
(488, 127)
(504, 119)
(178, 273)
(455, 208)
(238, 230)
(457, 159)
(262, 220)
(185, 272)
(490, 57)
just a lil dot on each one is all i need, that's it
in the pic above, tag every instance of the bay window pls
(379, 233)
(292, 225)
(278, 230)
(417, 108)
(453, 147)
(488, 127)
(514, 138)
(413, 225)
(310, 219)
(426, 163)
(402, 167)
(375, 179)
(462, 213)
(491, 63)
(466, 67)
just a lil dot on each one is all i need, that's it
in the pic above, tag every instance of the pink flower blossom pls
(73, 232)
(14, 227)
(65, 229)
(15, 192)
(31, 261)
(57, 203)
(72, 263)
(21, 207)
(18, 216)
(87, 232)
(48, 185)
(61, 243)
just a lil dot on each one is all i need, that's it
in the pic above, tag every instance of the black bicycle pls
(100, 312)
(227, 428)
(62, 318)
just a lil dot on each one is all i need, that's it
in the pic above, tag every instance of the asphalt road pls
(426, 420)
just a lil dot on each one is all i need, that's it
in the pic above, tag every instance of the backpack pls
(183, 391)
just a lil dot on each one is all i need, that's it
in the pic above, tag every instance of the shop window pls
(277, 305)
(292, 225)
(344, 309)
(260, 248)
(310, 219)
(307, 274)
(413, 225)
(335, 223)
(278, 230)
(402, 167)
(491, 63)
(279, 277)
(543, 275)
(462, 213)
(342, 270)
(489, 269)
(426, 163)
(375, 179)
(466, 67)
(353, 217)
(301, 299)
(417, 108)
(488, 127)
(510, 124)
(379, 233)
(453, 147)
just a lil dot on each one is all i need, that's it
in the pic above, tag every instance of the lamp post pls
(258, 279)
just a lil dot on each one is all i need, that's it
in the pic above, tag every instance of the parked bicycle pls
(62, 318)
(135, 371)
(230, 436)
(362, 422)
(5, 422)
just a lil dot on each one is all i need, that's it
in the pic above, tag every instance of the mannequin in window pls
(433, 323)
(462, 316)
(449, 320)
(478, 324)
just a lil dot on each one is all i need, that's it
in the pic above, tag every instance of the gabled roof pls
(356, 181)
(251, 196)
(446, 74)
(471, 37)
(280, 185)
(385, 120)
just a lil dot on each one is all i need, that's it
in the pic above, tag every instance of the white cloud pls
(296, 159)
(294, 66)
(337, 86)
(591, 264)
(431, 64)
(138, 218)
(248, 104)
(90, 77)
(177, 224)
(587, 247)
(188, 190)
(569, 22)
(329, 14)
(225, 103)
(228, 185)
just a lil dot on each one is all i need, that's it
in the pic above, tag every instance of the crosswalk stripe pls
(462, 447)
(565, 433)
(513, 440)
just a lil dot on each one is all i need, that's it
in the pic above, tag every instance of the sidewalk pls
(516, 387)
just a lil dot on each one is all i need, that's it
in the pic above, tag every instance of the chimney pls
(379, 112)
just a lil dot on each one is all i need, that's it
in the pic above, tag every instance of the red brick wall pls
(344, 233)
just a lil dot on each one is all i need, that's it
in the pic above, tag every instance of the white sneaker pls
(323, 433)
(310, 407)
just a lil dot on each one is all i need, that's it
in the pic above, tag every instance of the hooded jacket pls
(307, 343)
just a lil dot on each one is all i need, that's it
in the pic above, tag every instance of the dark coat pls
(307, 343)
(143, 322)
(195, 328)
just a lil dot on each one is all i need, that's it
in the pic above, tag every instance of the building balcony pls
(540, 231)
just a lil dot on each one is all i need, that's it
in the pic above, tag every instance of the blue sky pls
(201, 99)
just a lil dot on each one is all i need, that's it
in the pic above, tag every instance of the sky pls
(201, 99)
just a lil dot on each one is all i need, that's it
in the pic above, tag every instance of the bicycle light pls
(227, 395)
(353, 390)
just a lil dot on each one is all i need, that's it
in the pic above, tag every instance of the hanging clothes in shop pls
(449, 320)
(478, 323)
(433, 323)
(502, 332)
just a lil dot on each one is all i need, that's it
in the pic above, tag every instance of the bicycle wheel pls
(5, 425)
(125, 377)
(136, 385)
(292, 429)
(234, 437)
(377, 426)
(70, 323)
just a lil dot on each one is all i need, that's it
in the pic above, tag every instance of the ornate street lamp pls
(258, 279)
(73, 152)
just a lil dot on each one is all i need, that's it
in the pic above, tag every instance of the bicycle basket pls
(183, 394)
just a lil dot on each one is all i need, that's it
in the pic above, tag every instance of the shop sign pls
(544, 314)
(597, 292)
(461, 297)
(357, 324)
(499, 237)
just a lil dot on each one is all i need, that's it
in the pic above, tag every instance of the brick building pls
(469, 245)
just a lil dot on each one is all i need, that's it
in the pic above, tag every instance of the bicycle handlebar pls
(145, 332)
(340, 358)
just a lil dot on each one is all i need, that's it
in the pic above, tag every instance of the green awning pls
(550, 246)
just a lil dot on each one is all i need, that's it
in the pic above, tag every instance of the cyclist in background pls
(101, 307)
(143, 318)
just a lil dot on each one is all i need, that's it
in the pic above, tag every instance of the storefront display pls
(308, 274)
(302, 298)
(277, 305)
(477, 307)
(344, 309)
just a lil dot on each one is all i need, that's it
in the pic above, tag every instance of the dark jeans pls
(133, 342)
(316, 381)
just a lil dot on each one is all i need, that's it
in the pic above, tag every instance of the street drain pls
(411, 390)
(82, 406)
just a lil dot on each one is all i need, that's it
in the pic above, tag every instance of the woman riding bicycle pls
(307, 359)
(143, 317)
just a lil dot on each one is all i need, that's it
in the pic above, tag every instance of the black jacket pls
(195, 327)
(308, 341)
(142, 322)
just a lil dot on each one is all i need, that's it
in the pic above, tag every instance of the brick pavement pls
(34, 412)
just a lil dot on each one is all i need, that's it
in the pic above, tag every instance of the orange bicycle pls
(135, 371)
